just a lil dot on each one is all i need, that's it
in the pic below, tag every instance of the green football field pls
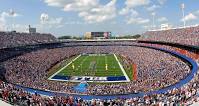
(100, 65)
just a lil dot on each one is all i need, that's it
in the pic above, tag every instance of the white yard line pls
(97, 62)
(105, 62)
(106, 59)
(127, 78)
(82, 62)
(50, 78)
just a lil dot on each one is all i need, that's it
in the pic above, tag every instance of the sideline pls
(50, 78)
(121, 67)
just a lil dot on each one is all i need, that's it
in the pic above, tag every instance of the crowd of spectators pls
(188, 36)
(30, 70)
(185, 95)
(155, 70)
(13, 39)
(160, 71)
(194, 54)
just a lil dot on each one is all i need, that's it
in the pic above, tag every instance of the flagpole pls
(183, 14)
(12, 13)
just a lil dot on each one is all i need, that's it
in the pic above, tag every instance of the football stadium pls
(99, 53)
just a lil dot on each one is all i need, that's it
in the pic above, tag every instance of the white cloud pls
(74, 22)
(56, 20)
(11, 13)
(2, 21)
(58, 3)
(147, 27)
(73, 5)
(131, 13)
(45, 19)
(100, 14)
(197, 12)
(162, 19)
(2, 24)
(162, 1)
(21, 28)
(90, 10)
(4, 15)
(126, 11)
(189, 17)
(81, 5)
(153, 7)
(134, 20)
(135, 3)
(153, 13)
(134, 13)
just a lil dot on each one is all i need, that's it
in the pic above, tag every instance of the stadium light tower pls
(153, 14)
(12, 14)
(183, 15)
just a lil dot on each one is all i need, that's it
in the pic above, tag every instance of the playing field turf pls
(101, 65)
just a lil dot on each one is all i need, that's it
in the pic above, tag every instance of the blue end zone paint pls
(116, 78)
(164, 90)
(60, 77)
(109, 78)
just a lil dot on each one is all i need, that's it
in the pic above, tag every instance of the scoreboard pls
(98, 35)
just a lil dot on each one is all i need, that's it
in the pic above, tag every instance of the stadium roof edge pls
(173, 28)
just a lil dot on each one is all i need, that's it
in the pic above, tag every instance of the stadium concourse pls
(166, 70)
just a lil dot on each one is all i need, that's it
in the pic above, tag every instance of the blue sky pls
(75, 17)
